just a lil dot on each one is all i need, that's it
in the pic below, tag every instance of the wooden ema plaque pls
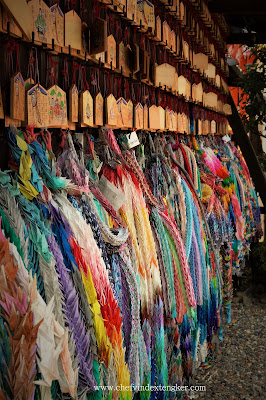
(41, 21)
(73, 104)
(167, 118)
(136, 57)
(2, 114)
(57, 107)
(138, 116)
(165, 31)
(111, 111)
(98, 37)
(182, 85)
(131, 9)
(98, 109)
(200, 61)
(158, 29)
(154, 118)
(175, 87)
(173, 42)
(200, 127)
(122, 120)
(199, 93)
(227, 109)
(21, 13)
(145, 117)
(161, 112)
(122, 58)
(13, 27)
(188, 90)
(218, 80)
(111, 51)
(173, 121)
(17, 97)
(73, 31)
(194, 92)
(57, 25)
(86, 108)
(145, 14)
(37, 107)
(206, 127)
(211, 100)
(28, 83)
(165, 75)
(213, 127)
(210, 71)
(220, 106)
(185, 50)
(130, 114)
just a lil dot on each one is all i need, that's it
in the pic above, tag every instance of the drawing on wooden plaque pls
(122, 112)
(86, 108)
(57, 106)
(130, 113)
(57, 25)
(98, 109)
(227, 109)
(73, 32)
(111, 51)
(145, 14)
(138, 116)
(17, 97)
(73, 104)
(41, 21)
(111, 110)
(2, 114)
(37, 107)
(28, 83)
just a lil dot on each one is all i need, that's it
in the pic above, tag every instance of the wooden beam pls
(256, 172)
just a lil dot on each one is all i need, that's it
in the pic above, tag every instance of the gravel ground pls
(239, 367)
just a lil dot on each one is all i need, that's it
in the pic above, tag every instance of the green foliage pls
(254, 82)
(258, 262)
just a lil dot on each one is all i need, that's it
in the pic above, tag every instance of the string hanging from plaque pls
(17, 89)
(73, 96)
(56, 98)
(122, 106)
(97, 97)
(57, 25)
(37, 101)
(145, 100)
(86, 100)
(138, 110)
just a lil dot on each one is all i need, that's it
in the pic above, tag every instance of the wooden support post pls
(245, 145)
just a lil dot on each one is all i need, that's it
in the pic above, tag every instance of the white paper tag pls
(226, 138)
(132, 139)
(112, 193)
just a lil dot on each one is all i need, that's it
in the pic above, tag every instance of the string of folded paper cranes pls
(117, 262)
